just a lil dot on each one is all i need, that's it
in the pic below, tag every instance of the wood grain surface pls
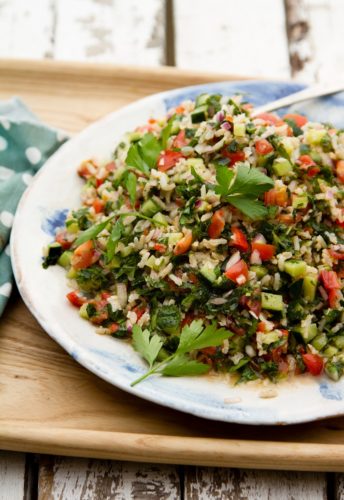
(12, 475)
(65, 409)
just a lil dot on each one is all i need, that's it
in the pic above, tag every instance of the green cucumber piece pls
(307, 333)
(160, 219)
(300, 201)
(208, 272)
(295, 268)
(83, 311)
(309, 287)
(260, 271)
(199, 114)
(282, 167)
(239, 129)
(150, 208)
(272, 302)
(65, 258)
(320, 341)
(330, 351)
(339, 341)
(202, 99)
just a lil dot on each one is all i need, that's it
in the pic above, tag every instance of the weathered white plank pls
(81, 479)
(26, 28)
(245, 37)
(130, 32)
(12, 475)
(203, 483)
(315, 39)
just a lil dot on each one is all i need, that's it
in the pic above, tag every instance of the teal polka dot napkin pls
(25, 144)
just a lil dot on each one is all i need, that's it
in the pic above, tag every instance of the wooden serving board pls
(49, 403)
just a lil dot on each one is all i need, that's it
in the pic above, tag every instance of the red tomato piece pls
(238, 239)
(263, 147)
(209, 351)
(340, 170)
(139, 311)
(333, 298)
(266, 251)
(235, 272)
(277, 197)
(159, 247)
(217, 224)
(180, 140)
(83, 255)
(234, 157)
(330, 280)
(270, 118)
(299, 120)
(76, 299)
(168, 159)
(314, 363)
(62, 239)
(184, 244)
(98, 205)
(114, 327)
(336, 255)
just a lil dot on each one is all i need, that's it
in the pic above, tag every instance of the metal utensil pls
(303, 95)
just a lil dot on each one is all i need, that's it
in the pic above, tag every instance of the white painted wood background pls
(302, 39)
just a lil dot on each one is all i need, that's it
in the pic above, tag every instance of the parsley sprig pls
(242, 188)
(193, 337)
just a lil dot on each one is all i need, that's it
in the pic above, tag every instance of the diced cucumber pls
(260, 271)
(72, 226)
(282, 167)
(314, 136)
(239, 129)
(199, 114)
(320, 341)
(295, 268)
(115, 262)
(83, 311)
(299, 201)
(175, 127)
(53, 253)
(202, 99)
(150, 208)
(65, 258)
(173, 238)
(308, 333)
(72, 273)
(208, 272)
(339, 341)
(289, 144)
(160, 219)
(134, 136)
(332, 371)
(156, 263)
(125, 251)
(194, 162)
(309, 287)
(330, 351)
(270, 337)
(272, 302)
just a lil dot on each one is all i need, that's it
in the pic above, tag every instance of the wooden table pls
(275, 38)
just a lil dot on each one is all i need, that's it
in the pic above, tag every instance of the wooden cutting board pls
(49, 403)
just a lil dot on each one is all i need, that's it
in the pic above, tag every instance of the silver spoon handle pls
(302, 95)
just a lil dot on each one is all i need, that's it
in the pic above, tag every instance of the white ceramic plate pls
(43, 207)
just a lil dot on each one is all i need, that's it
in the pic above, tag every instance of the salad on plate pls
(214, 240)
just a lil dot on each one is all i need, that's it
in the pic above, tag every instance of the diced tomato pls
(168, 159)
(189, 317)
(307, 163)
(270, 118)
(276, 196)
(76, 299)
(84, 255)
(333, 298)
(193, 278)
(114, 327)
(184, 244)
(110, 166)
(263, 147)
(235, 272)
(330, 280)
(98, 205)
(180, 110)
(336, 255)
(105, 295)
(299, 120)
(139, 311)
(238, 239)
(251, 304)
(314, 363)
(261, 327)
(340, 170)
(180, 140)
(313, 171)
(62, 239)
(87, 168)
(233, 156)
(217, 224)
(99, 318)
(209, 351)
(266, 251)
(159, 247)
